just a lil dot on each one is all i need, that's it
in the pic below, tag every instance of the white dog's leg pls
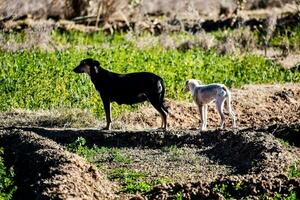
(220, 107)
(202, 117)
(232, 114)
(205, 116)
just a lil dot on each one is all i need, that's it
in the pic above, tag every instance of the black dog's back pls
(130, 88)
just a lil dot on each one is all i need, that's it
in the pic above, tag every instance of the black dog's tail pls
(161, 90)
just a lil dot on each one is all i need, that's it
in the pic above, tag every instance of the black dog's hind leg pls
(158, 105)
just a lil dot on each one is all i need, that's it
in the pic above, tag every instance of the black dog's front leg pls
(107, 108)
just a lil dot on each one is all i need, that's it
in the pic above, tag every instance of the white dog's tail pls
(228, 101)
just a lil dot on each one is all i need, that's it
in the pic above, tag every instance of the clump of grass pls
(173, 151)
(284, 142)
(7, 184)
(96, 154)
(294, 170)
(234, 191)
(241, 40)
(131, 181)
(33, 37)
(134, 181)
(291, 196)
(288, 36)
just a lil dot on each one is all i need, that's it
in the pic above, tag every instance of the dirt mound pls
(235, 187)
(44, 170)
(254, 105)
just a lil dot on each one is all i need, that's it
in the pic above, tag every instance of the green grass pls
(291, 196)
(134, 181)
(287, 35)
(7, 184)
(230, 191)
(96, 154)
(173, 152)
(131, 181)
(38, 79)
(294, 170)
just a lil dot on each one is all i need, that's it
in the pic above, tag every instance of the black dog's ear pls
(96, 63)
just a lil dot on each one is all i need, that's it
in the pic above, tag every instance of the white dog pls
(204, 94)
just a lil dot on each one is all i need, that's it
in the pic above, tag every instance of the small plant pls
(294, 170)
(118, 157)
(291, 196)
(222, 189)
(179, 196)
(173, 151)
(132, 181)
(284, 143)
(96, 154)
(7, 184)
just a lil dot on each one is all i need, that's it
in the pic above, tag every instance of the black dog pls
(125, 88)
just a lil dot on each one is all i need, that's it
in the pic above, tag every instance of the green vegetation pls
(96, 154)
(173, 151)
(294, 170)
(291, 196)
(7, 185)
(234, 191)
(37, 79)
(134, 181)
(131, 181)
(287, 35)
(284, 142)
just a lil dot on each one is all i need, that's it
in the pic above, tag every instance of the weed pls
(222, 189)
(173, 151)
(284, 142)
(131, 181)
(179, 196)
(96, 154)
(7, 184)
(294, 170)
(291, 196)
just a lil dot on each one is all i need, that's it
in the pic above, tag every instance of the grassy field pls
(41, 79)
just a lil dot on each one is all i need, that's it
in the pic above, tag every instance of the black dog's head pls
(89, 66)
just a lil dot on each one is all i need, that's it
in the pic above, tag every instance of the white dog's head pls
(191, 84)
